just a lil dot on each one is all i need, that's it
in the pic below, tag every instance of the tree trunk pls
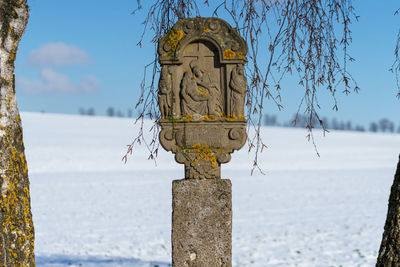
(389, 253)
(16, 226)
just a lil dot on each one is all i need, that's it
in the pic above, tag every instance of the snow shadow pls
(91, 261)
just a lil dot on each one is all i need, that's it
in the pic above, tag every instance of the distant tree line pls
(110, 112)
(383, 125)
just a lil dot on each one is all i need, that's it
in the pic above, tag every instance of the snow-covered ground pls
(91, 209)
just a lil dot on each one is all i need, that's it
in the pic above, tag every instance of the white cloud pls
(58, 54)
(53, 82)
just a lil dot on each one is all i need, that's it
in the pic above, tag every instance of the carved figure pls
(199, 94)
(238, 90)
(164, 92)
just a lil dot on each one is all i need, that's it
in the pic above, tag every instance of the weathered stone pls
(202, 223)
(201, 94)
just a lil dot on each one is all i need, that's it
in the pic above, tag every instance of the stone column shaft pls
(202, 223)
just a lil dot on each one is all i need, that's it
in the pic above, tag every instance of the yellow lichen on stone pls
(231, 117)
(173, 40)
(229, 54)
(202, 153)
(206, 30)
(204, 92)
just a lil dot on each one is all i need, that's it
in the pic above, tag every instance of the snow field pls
(91, 209)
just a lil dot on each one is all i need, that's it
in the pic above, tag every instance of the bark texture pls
(16, 226)
(389, 252)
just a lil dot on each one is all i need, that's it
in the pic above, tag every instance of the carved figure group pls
(198, 93)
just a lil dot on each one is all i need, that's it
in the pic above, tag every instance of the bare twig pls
(288, 37)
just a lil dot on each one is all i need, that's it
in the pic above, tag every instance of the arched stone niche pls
(206, 47)
(201, 94)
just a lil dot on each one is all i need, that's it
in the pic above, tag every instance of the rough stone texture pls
(201, 94)
(202, 223)
(389, 252)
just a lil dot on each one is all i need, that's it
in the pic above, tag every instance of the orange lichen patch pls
(183, 117)
(206, 30)
(241, 117)
(229, 54)
(204, 92)
(173, 40)
(209, 117)
(231, 117)
(212, 117)
(203, 153)
(240, 55)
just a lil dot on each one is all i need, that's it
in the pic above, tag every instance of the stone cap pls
(231, 46)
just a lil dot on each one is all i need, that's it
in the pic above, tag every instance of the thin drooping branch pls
(303, 38)
(396, 64)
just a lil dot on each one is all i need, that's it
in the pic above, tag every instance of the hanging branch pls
(396, 64)
(296, 37)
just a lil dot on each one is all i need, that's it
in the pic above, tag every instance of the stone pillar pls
(202, 223)
(201, 95)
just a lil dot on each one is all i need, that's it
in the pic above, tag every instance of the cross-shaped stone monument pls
(201, 96)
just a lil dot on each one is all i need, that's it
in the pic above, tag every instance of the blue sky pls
(84, 54)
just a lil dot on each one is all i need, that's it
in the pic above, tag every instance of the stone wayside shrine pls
(201, 95)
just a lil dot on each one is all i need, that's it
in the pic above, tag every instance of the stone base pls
(202, 223)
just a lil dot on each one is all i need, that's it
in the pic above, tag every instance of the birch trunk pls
(16, 226)
(389, 253)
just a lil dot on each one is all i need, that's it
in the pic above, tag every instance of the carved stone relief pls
(164, 92)
(237, 85)
(201, 94)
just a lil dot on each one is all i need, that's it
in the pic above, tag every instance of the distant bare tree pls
(119, 114)
(359, 128)
(90, 112)
(110, 112)
(301, 39)
(130, 113)
(348, 126)
(386, 125)
(270, 120)
(373, 127)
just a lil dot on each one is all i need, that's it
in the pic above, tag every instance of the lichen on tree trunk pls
(16, 226)
(389, 252)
